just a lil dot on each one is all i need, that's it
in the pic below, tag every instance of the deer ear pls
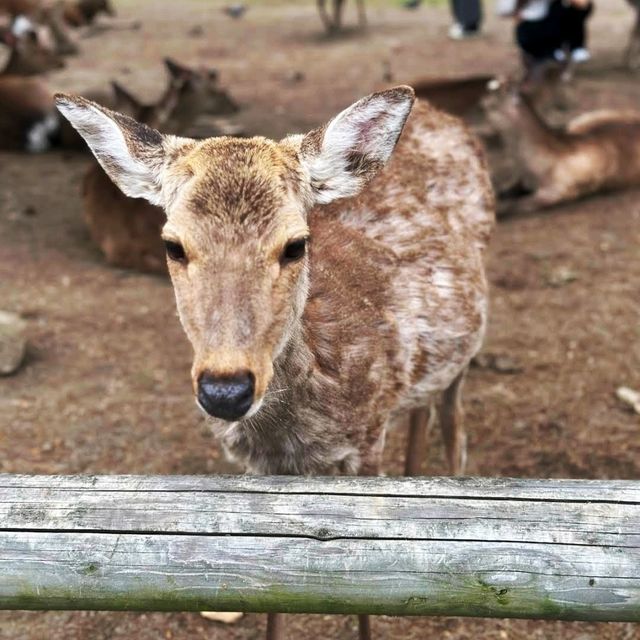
(345, 154)
(131, 153)
(125, 101)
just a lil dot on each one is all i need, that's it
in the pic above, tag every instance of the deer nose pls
(226, 397)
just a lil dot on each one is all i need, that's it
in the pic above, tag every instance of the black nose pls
(227, 397)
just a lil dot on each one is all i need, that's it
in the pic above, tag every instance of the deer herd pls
(331, 284)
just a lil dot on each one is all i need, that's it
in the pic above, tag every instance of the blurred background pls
(103, 383)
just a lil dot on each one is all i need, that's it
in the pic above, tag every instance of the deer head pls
(28, 55)
(200, 92)
(236, 233)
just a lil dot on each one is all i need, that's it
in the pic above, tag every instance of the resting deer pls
(597, 151)
(127, 230)
(80, 13)
(200, 94)
(27, 110)
(326, 287)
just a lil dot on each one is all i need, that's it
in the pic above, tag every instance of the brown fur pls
(413, 242)
(127, 230)
(595, 152)
(27, 56)
(382, 314)
(24, 99)
(459, 96)
(79, 13)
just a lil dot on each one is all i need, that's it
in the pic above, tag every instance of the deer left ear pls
(345, 154)
(131, 153)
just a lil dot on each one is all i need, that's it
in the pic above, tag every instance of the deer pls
(328, 283)
(127, 230)
(595, 152)
(632, 53)
(28, 56)
(200, 94)
(27, 110)
(81, 13)
(333, 23)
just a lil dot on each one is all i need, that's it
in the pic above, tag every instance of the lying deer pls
(326, 287)
(595, 152)
(27, 55)
(200, 94)
(127, 230)
(27, 110)
(80, 13)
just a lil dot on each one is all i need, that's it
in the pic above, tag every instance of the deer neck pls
(13, 66)
(534, 132)
(536, 145)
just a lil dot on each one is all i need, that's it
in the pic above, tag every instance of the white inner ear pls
(369, 128)
(104, 136)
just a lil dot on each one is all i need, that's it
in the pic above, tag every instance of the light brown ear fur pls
(132, 154)
(345, 154)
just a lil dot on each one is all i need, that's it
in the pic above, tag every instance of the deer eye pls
(175, 251)
(294, 251)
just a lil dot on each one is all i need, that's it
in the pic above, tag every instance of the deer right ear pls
(131, 153)
(345, 154)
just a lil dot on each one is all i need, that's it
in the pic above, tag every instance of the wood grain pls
(419, 546)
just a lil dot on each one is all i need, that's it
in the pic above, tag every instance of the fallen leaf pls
(226, 617)
(630, 397)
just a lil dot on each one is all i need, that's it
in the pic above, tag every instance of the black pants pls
(562, 27)
(467, 13)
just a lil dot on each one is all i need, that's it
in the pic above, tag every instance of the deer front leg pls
(420, 422)
(632, 54)
(452, 426)
(324, 16)
(275, 626)
(362, 14)
(338, 6)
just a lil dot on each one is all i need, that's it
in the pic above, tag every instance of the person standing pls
(548, 30)
(467, 15)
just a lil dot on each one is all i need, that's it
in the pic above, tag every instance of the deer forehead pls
(239, 191)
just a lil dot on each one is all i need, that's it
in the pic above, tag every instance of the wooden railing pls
(402, 546)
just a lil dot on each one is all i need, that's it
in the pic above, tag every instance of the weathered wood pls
(508, 548)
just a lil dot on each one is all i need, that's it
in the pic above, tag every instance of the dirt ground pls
(106, 387)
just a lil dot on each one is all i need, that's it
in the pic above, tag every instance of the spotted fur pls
(383, 313)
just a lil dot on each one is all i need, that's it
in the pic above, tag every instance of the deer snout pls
(226, 397)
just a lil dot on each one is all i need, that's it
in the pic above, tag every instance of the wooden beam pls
(411, 546)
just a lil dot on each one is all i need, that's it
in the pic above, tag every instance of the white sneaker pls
(580, 55)
(559, 55)
(456, 31)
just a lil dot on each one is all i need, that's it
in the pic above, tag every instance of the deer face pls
(29, 54)
(236, 231)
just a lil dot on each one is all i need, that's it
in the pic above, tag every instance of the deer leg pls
(362, 14)
(275, 626)
(338, 6)
(324, 16)
(452, 426)
(371, 467)
(420, 422)
(364, 628)
(540, 199)
(633, 49)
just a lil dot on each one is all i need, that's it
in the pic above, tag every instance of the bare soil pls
(105, 388)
